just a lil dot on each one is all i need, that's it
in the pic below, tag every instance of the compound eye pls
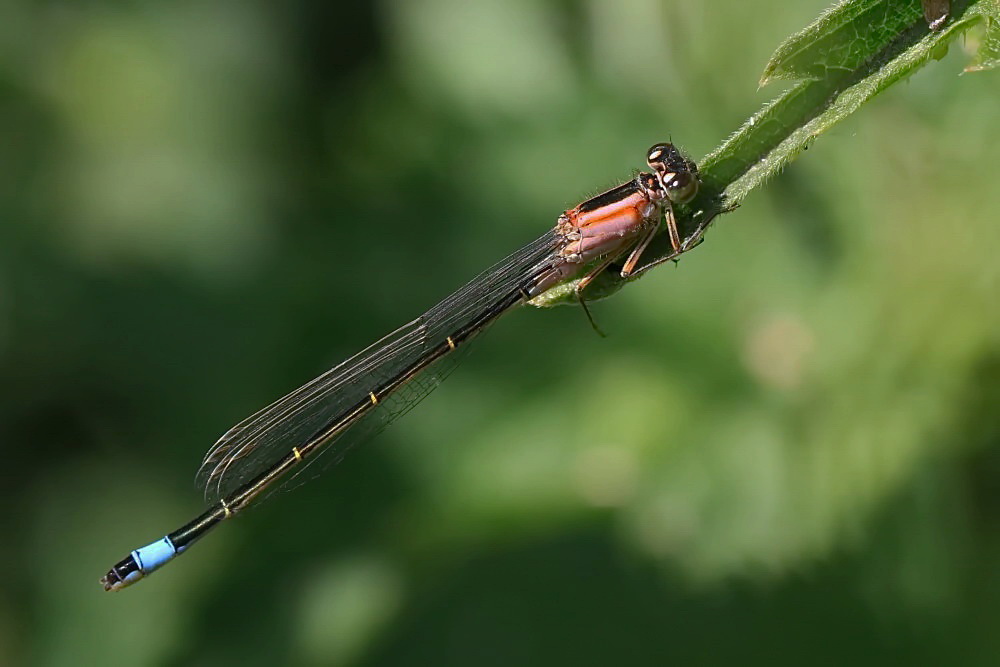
(682, 187)
(660, 155)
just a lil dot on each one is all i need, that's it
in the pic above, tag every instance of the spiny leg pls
(590, 318)
(636, 253)
(680, 247)
(582, 285)
(596, 271)
(675, 242)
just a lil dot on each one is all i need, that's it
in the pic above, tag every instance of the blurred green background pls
(784, 453)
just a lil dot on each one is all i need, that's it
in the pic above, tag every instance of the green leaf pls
(845, 103)
(841, 39)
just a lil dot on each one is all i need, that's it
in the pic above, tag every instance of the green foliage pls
(842, 39)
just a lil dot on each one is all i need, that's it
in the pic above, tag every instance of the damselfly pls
(366, 392)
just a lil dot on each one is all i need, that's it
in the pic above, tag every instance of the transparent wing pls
(257, 443)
